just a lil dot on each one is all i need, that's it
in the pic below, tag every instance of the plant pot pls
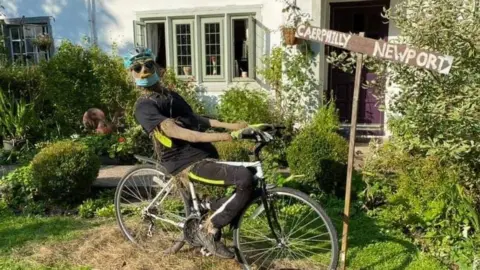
(8, 145)
(289, 35)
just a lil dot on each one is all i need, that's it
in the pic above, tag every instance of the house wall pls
(114, 17)
(114, 22)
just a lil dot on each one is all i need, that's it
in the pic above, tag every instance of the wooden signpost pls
(376, 48)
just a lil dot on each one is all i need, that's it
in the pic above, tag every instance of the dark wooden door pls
(356, 17)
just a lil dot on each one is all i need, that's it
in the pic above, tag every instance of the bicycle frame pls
(259, 176)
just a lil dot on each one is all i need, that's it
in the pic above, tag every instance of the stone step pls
(109, 176)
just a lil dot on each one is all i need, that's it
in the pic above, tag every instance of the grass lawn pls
(73, 243)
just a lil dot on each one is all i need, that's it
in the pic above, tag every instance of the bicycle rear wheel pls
(308, 239)
(156, 226)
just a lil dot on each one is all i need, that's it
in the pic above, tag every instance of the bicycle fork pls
(271, 216)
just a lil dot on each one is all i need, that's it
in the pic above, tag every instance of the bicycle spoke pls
(270, 254)
(315, 236)
(303, 233)
(160, 226)
(259, 241)
(304, 226)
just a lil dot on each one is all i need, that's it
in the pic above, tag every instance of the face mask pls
(149, 81)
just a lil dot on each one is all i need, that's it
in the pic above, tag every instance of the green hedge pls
(92, 77)
(234, 151)
(64, 171)
(243, 104)
(321, 157)
(319, 153)
(18, 189)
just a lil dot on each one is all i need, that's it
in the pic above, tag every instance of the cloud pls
(54, 7)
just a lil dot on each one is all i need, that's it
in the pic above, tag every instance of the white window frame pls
(22, 40)
(139, 33)
(173, 41)
(197, 17)
(203, 60)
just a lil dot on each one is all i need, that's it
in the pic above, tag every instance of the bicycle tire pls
(176, 247)
(305, 198)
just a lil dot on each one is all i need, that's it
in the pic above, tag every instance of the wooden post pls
(351, 157)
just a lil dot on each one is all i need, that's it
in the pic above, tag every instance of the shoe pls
(213, 244)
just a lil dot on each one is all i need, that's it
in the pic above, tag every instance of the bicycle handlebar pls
(264, 136)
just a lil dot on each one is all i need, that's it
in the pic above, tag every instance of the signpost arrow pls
(400, 53)
(377, 48)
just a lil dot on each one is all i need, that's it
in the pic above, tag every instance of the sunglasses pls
(137, 67)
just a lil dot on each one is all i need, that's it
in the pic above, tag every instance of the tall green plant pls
(272, 71)
(243, 104)
(16, 116)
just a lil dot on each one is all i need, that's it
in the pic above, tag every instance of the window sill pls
(243, 80)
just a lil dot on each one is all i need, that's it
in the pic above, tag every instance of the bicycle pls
(175, 207)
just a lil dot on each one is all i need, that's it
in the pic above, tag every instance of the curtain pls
(152, 37)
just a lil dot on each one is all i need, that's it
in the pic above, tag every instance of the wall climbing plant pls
(289, 70)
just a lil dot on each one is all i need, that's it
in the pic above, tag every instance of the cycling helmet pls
(139, 53)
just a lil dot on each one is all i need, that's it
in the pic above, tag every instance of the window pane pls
(213, 64)
(184, 53)
(29, 46)
(15, 33)
(240, 47)
(16, 47)
(29, 31)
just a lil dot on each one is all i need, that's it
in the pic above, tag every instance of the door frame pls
(326, 13)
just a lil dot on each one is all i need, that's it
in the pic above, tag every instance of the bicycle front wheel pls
(307, 238)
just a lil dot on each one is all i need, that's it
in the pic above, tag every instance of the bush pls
(234, 151)
(134, 141)
(321, 157)
(64, 171)
(18, 189)
(94, 78)
(242, 104)
(101, 206)
(422, 196)
(319, 153)
(25, 82)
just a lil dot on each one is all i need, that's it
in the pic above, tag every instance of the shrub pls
(422, 196)
(99, 144)
(99, 205)
(18, 189)
(319, 153)
(243, 104)
(94, 78)
(234, 151)
(64, 171)
(327, 119)
(321, 157)
(22, 81)
(134, 141)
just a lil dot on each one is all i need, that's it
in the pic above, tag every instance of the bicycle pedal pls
(205, 252)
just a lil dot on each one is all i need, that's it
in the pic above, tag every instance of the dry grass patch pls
(106, 249)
